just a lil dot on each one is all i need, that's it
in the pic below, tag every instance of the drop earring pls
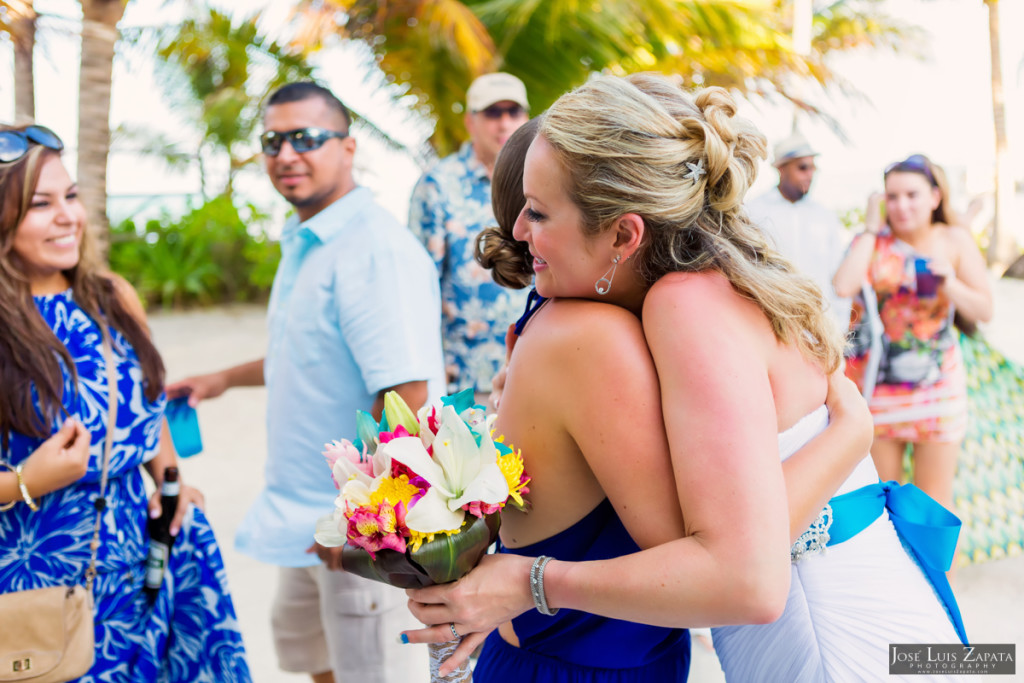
(604, 285)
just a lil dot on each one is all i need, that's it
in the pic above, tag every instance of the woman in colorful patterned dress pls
(921, 268)
(55, 304)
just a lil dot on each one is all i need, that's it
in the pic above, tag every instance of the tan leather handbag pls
(46, 634)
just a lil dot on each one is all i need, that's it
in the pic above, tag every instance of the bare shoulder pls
(694, 298)
(576, 316)
(566, 332)
(695, 321)
(958, 236)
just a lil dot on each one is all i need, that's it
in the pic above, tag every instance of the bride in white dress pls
(633, 192)
(847, 602)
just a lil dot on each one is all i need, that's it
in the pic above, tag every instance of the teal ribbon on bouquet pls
(929, 529)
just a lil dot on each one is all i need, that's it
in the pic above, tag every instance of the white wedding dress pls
(846, 603)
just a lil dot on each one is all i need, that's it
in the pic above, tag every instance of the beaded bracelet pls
(4, 507)
(540, 600)
(24, 490)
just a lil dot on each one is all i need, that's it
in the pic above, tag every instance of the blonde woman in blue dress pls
(634, 195)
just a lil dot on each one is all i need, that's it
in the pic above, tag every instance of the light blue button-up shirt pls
(355, 308)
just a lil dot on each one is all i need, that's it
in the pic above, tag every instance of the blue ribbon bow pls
(929, 529)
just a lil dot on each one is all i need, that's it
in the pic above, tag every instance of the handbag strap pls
(101, 501)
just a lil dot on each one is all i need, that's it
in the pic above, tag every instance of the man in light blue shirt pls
(354, 312)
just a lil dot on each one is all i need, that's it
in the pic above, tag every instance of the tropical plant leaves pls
(434, 48)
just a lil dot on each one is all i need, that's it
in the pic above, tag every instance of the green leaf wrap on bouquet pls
(444, 559)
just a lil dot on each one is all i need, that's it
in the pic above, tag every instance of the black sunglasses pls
(14, 143)
(496, 112)
(302, 140)
(915, 163)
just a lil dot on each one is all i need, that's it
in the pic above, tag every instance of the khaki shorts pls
(326, 620)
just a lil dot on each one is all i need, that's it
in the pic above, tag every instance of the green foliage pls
(432, 49)
(218, 72)
(213, 254)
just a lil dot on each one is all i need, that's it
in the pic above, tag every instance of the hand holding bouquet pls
(421, 495)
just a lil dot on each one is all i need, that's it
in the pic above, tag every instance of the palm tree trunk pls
(99, 36)
(1001, 248)
(23, 32)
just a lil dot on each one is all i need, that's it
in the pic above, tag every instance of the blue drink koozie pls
(184, 424)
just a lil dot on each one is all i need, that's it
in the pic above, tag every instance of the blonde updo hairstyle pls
(626, 144)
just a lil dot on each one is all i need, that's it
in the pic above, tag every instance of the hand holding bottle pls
(186, 495)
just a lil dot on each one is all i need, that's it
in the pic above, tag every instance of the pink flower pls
(378, 530)
(433, 424)
(344, 449)
(481, 509)
(400, 431)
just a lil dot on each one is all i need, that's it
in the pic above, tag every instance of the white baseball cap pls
(496, 87)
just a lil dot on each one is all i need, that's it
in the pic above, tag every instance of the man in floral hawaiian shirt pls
(450, 205)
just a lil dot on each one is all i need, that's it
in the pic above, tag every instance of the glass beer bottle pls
(160, 539)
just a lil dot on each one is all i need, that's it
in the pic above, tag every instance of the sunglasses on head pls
(496, 111)
(14, 143)
(302, 139)
(915, 163)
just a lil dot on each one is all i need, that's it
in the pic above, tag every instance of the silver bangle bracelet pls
(540, 600)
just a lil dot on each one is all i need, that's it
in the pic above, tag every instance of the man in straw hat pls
(804, 231)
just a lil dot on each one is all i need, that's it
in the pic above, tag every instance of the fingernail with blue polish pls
(403, 639)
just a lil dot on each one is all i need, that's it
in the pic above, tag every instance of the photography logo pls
(981, 660)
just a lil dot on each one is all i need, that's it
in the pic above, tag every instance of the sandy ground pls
(230, 472)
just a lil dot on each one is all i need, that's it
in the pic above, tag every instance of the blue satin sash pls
(929, 529)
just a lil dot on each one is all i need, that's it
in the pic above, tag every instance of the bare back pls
(581, 400)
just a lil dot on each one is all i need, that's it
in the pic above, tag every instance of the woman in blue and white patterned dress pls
(54, 303)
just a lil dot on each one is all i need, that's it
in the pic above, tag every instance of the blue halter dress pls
(573, 646)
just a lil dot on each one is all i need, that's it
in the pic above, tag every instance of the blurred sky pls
(939, 105)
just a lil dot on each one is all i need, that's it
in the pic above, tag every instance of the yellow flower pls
(416, 539)
(511, 466)
(394, 490)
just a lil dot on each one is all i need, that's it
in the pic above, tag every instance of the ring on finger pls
(454, 632)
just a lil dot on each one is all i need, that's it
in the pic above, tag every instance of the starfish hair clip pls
(696, 172)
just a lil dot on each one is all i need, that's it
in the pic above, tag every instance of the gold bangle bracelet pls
(24, 490)
(4, 507)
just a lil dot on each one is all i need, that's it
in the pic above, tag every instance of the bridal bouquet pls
(420, 493)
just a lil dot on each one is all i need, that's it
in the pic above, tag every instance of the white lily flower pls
(331, 529)
(355, 493)
(430, 514)
(460, 472)
(426, 435)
